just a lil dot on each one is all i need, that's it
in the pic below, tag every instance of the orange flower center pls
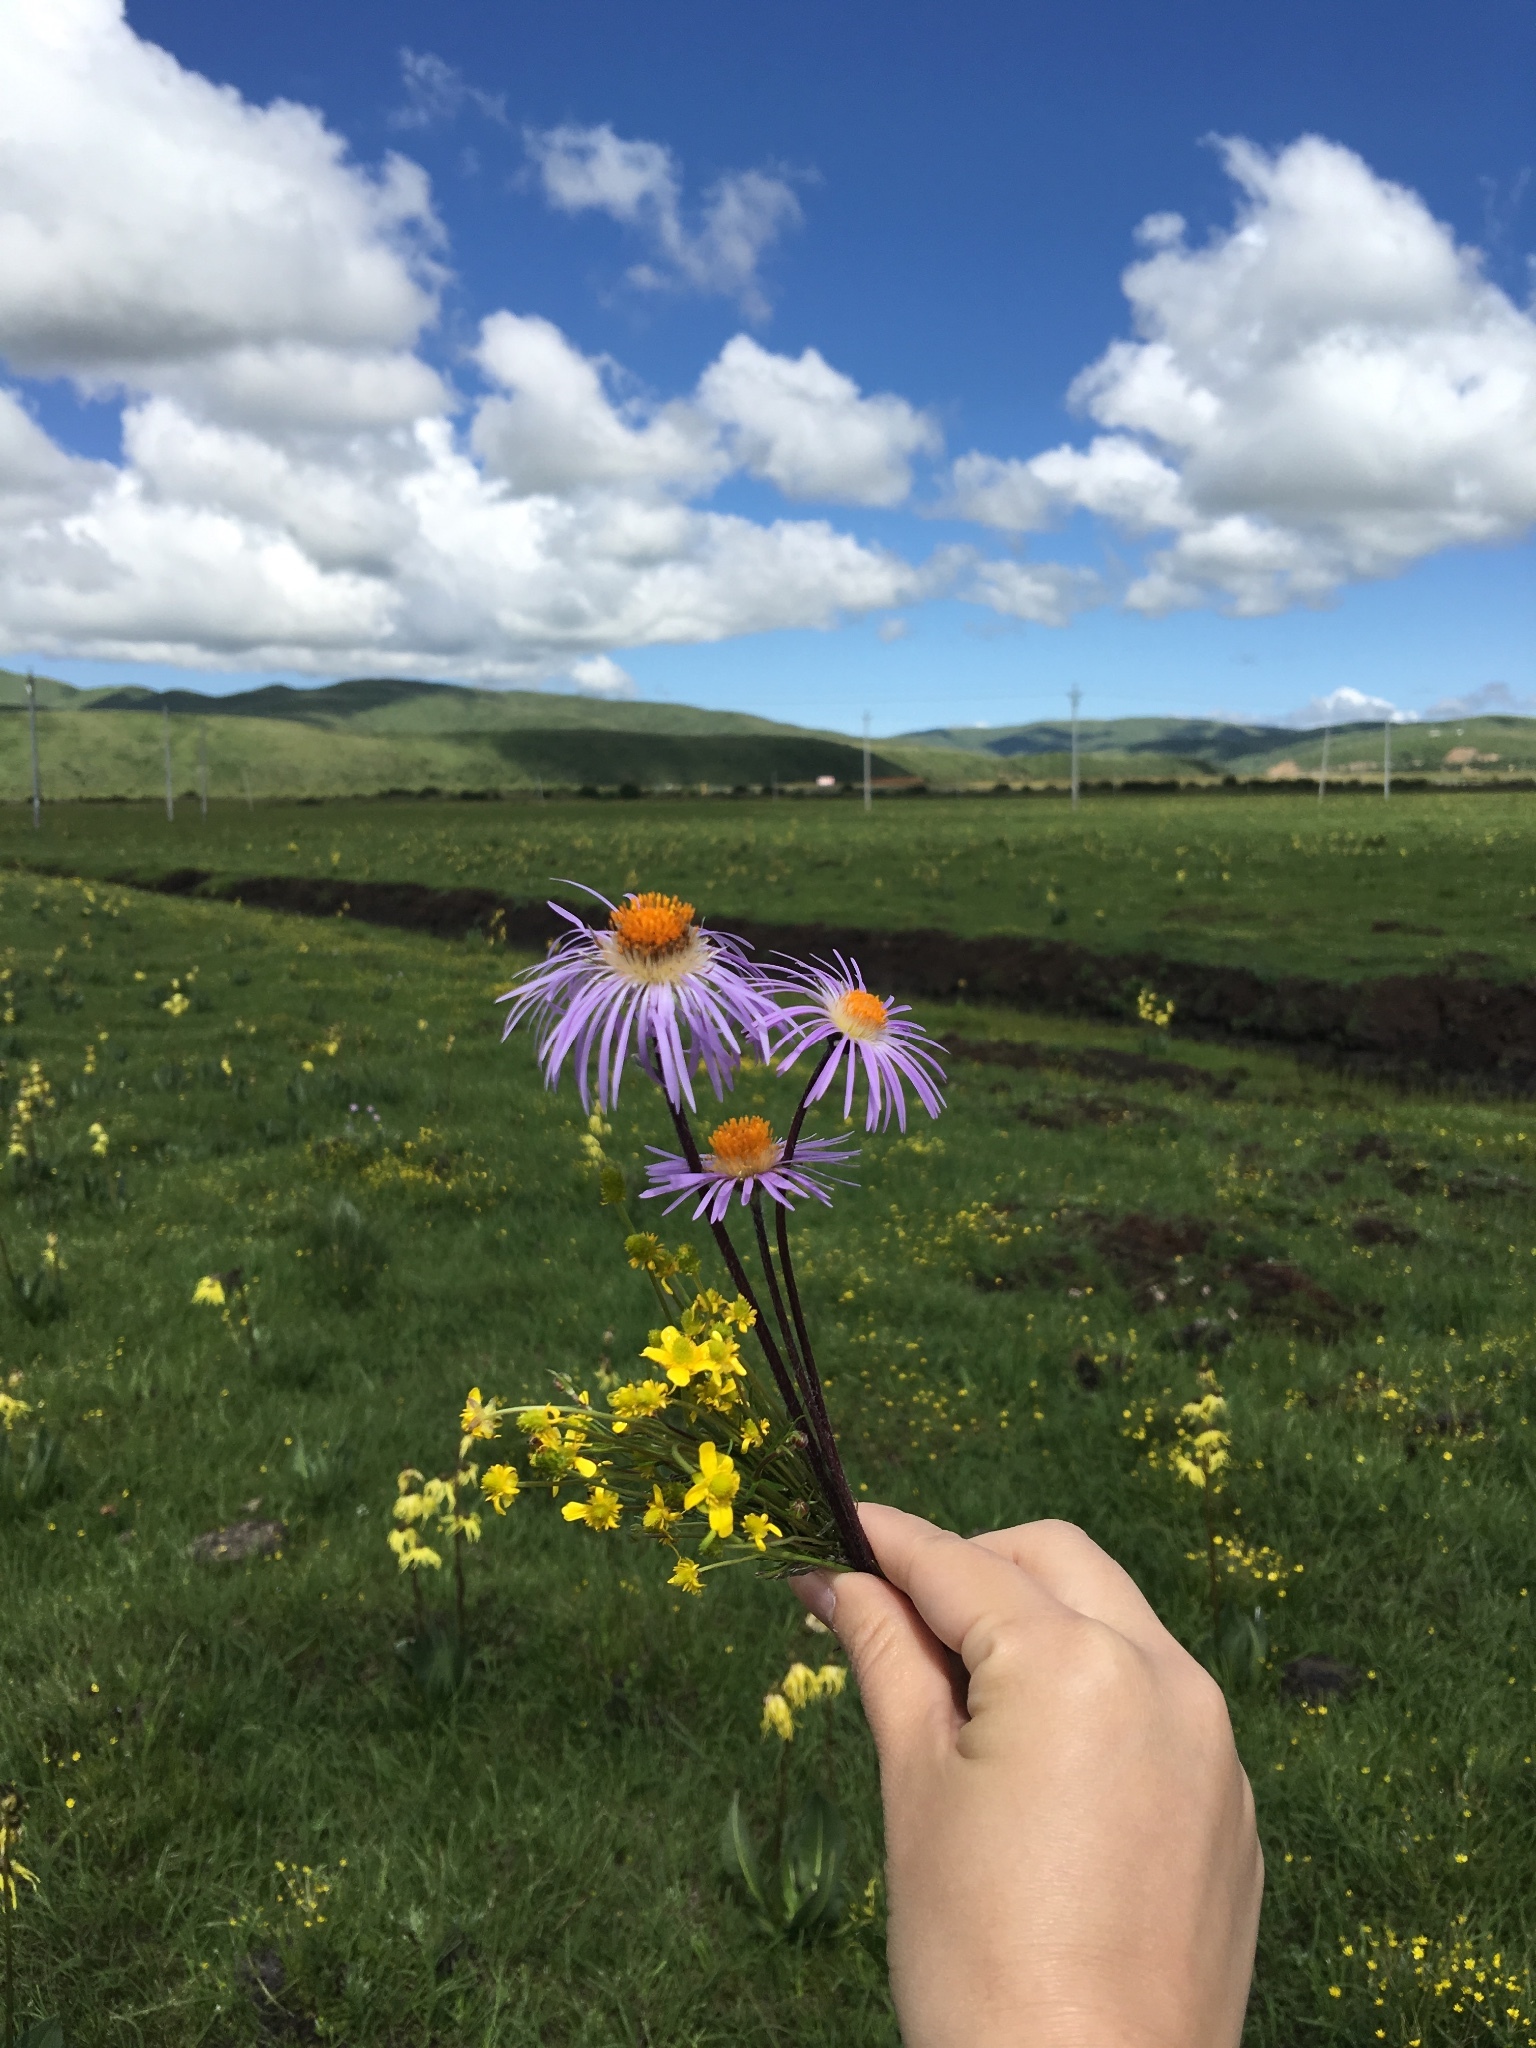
(858, 1014)
(743, 1145)
(651, 925)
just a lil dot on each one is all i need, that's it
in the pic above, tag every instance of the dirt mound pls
(1433, 1024)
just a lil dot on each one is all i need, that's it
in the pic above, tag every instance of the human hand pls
(1072, 1862)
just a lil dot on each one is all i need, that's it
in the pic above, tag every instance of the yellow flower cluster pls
(12, 1410)
(1203, 1449)
(692, 1455)
(1250, 1561)
(799, 1688)
(1151, 1010)
(34, 1099)
(12, 1809)
(1408, 1975)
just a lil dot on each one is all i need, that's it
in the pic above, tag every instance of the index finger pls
(963, 1591)
(1069, 1564)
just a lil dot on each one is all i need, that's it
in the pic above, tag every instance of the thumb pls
(905, 1674)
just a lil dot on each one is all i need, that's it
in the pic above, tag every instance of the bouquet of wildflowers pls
(724, 1450)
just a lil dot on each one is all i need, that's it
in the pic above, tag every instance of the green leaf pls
(41, 2034)
(738, 1855)
(811, 1871)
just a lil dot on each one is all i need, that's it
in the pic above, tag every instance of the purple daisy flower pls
(744, 1154)
(824, 1004)
(655, 981)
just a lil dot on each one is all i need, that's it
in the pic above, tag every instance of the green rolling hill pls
(372, 735)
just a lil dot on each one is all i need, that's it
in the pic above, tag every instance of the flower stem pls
(841, 1501)
(10, 1979)
(458, 1582)
(829, 1473)
(805, 1102)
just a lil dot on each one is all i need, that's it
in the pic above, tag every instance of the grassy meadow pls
(255, 1816)
(1283, 884)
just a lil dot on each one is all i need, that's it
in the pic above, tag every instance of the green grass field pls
(1352, 886)
(248, 1821)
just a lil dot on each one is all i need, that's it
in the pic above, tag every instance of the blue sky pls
(537, 405)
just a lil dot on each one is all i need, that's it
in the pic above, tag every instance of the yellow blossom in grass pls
(480, 1418)
(633, 1403)
(12, 1411)
(678, 1356)
(754, 1433)
(600, 1510)
(830, 1680)
(210, 1289)
(686, 1578)
(715, 1486)
(411, 1553)
(500, 1487)
(100, 1143)
(659, 1516)
(798, 1686)
(176, 1004)
(777, 1718)
(758, 1528)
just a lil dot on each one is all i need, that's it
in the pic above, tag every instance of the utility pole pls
(1386, 757)
(1322, 780)
(37, 780)
(868, 793)
(1076, 697)
(170, 794)
(202, 770)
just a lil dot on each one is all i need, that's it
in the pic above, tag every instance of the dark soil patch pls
(1382, 1230)
(1317, 1679)
(1157, 1257)
(1435, 1024)
(1283, 1293)
(238, 1542)
(1094, 1063)
(1372, 1146)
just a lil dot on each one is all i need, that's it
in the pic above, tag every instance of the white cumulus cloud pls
(1039, 593)
(558, 429)
(1327, 391)
(807, 428)
(1348, 706)
(640, 185)
(298, 486)
(153, 225)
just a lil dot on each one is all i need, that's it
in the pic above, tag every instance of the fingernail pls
(818, 1592)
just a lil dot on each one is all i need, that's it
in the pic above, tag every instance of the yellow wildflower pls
(686, 1578)
(777, 1718)
(100, 1142)
(12, 1411)
(678, 1355)
(659, 1516)
(600, 1510)
(758, 1529)
(210, 1289)
(633, 1403)
(176, 1005)
(480, 1418)
(500, 1487)
(11, 1831)
(411, 1552)
(715, 1486)
(799, 1686)
(754, 1433)
(830, 1680)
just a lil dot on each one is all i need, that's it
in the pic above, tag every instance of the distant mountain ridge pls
(369, 735)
